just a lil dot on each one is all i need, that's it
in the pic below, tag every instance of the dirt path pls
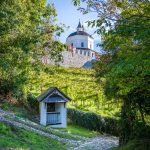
(77, 143)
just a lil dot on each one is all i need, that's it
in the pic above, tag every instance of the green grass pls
(45, 129)
(77, 130)
(71, 129)
(20, 139)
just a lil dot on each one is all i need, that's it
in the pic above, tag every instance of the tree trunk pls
(142, 114)
(127, 121)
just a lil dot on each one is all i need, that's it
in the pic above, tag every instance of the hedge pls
(93, 121)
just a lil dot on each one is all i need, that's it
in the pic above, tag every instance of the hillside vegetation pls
(78, 83)
(19, 139)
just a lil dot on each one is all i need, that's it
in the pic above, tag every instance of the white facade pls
(81, 41)
(60, 108)
(53, 108)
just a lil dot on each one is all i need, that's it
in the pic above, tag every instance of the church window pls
(92, 54)
(82, 44)
(90, 46)
(85, 53)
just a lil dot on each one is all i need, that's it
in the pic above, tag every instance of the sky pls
(69, 15)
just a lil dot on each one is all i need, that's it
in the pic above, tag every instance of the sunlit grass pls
(20, 139)
(77, 130)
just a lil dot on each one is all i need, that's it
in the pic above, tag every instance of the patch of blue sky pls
(69, 15)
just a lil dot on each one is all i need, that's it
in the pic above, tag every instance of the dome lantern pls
(80, 27)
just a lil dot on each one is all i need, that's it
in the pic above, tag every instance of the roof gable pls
(52, 91)
(54, 99)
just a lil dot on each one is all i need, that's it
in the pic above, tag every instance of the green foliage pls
(76, 2)
(71, 81)
(32, 102)
(26, 30)
(93, 121)
(125, 27)
(17, 138)
(135, 145)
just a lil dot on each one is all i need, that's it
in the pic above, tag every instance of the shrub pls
(93, 121)
(32, 102)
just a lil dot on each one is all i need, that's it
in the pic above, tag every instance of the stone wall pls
(73, 58)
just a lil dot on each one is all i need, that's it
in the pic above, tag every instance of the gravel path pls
(99, 143)
(103, 142)
(3, 118)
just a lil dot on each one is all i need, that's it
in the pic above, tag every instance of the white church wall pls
(77, 40)
(90, 43)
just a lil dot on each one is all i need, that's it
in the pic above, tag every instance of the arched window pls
(82, 44)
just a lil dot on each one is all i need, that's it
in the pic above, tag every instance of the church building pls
(82, 41)
(80, 52)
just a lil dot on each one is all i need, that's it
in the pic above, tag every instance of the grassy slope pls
(79, 84)
(20, 139)
(76, 130)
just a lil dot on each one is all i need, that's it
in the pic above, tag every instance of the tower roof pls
(80, 31)
(79, 25)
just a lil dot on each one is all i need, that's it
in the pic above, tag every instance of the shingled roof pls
(51, 91)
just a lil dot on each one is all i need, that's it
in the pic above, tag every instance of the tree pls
(125, 27)
(27, 33)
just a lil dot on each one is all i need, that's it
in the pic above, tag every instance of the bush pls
(93, 121)
(32, 102)
(141, 144)
(141, 131)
